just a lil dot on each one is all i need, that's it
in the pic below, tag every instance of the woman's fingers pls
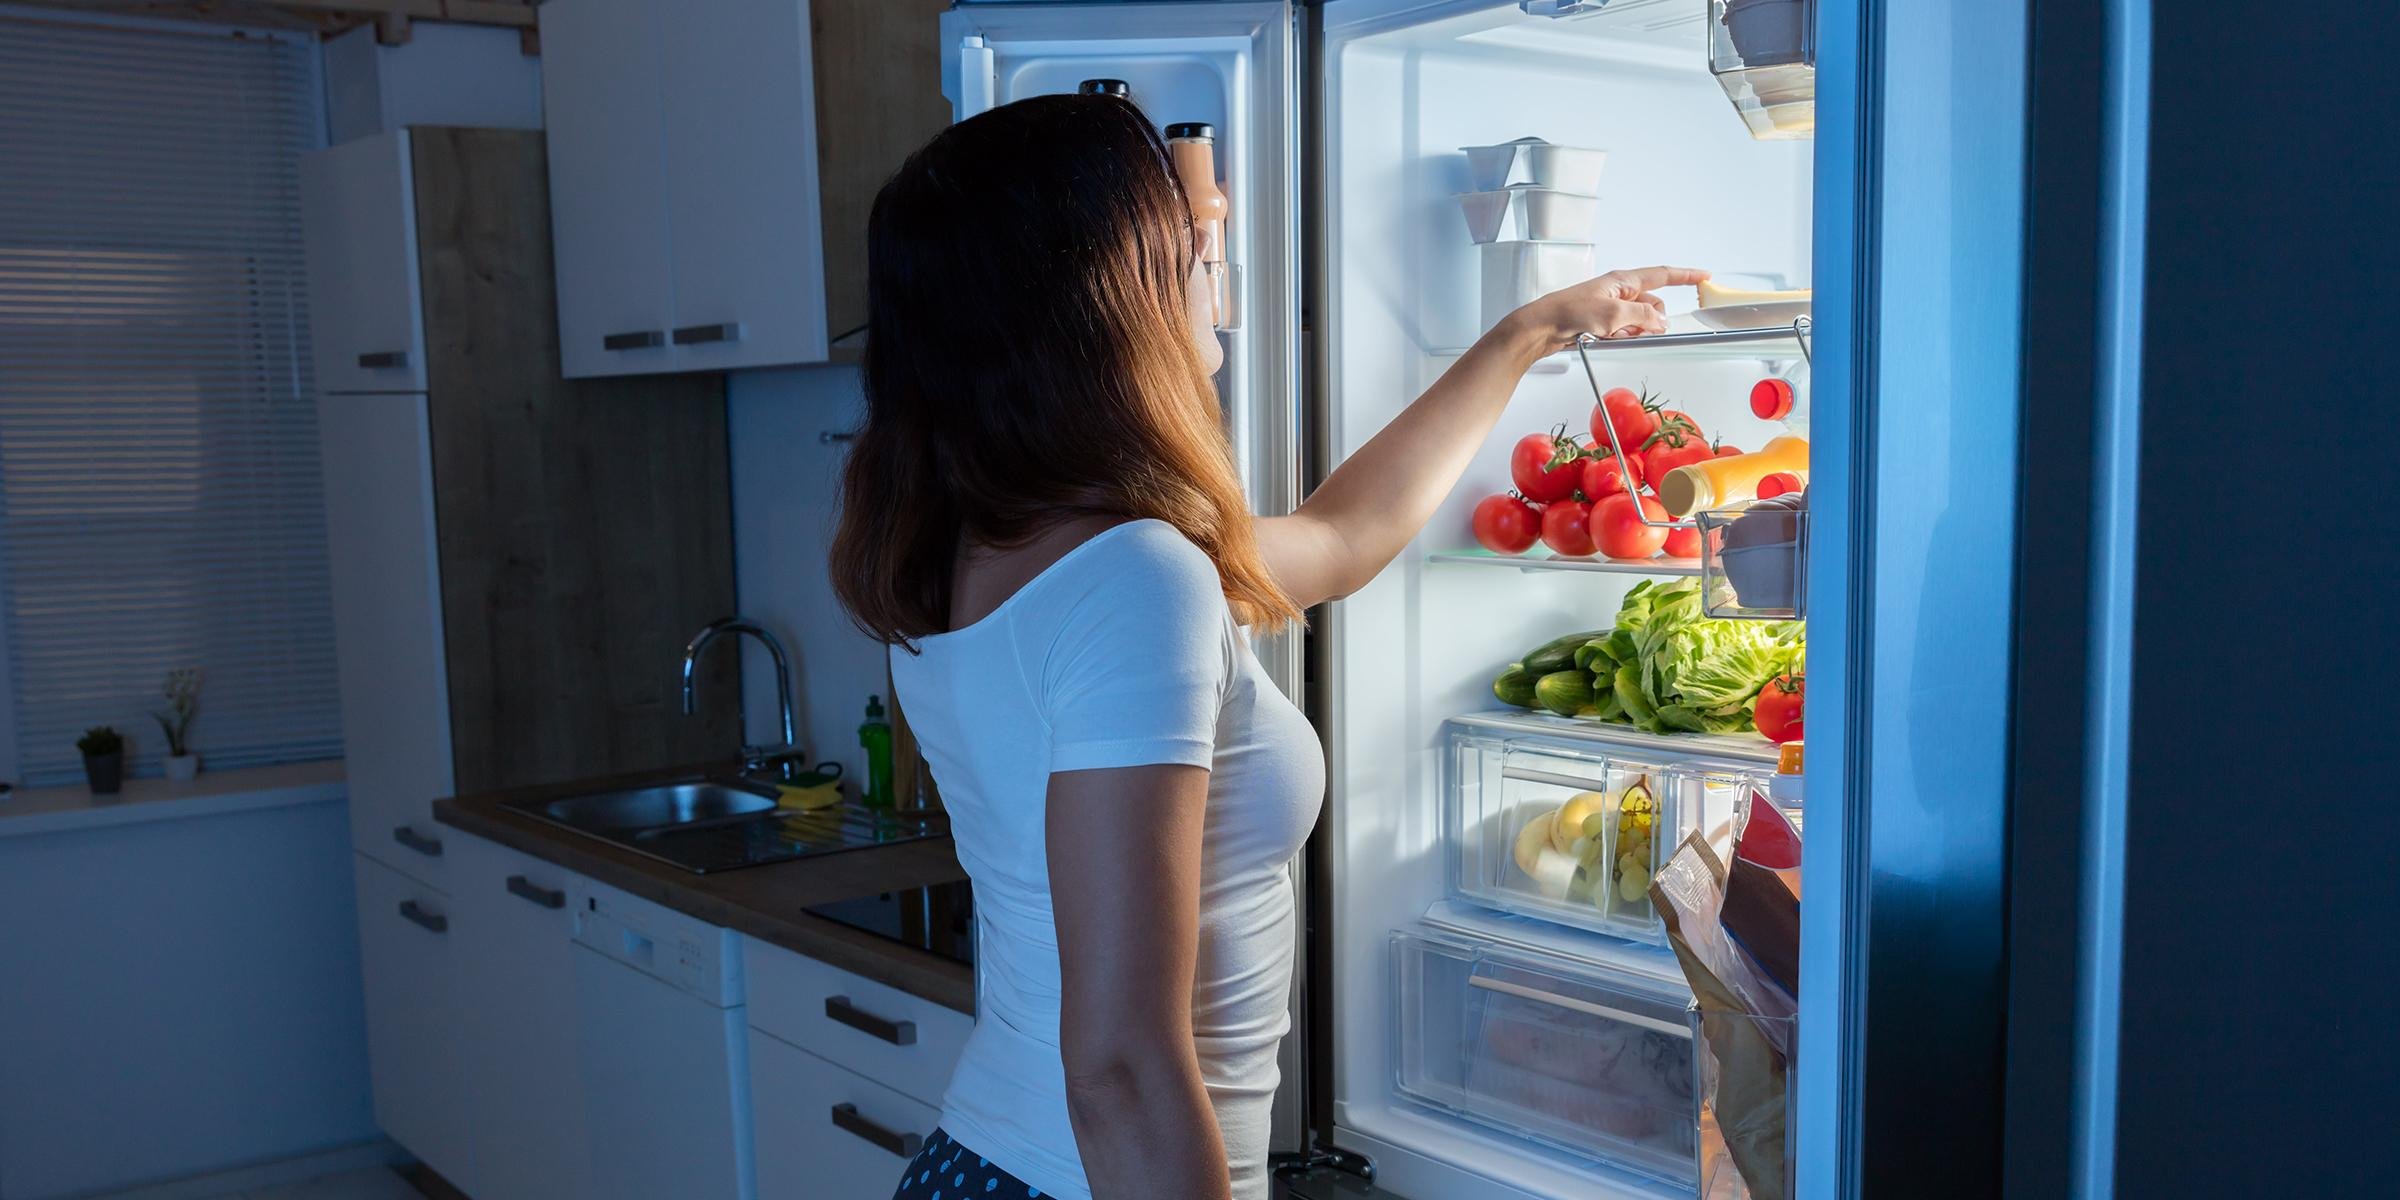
(1626, 318)
(1653, 301)
(1650, 279)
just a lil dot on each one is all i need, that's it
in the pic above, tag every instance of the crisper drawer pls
(904, 1041)
(1594, 1062)
(1570, 831)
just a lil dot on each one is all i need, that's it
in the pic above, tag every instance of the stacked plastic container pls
(1531, 214)
(1542, 1003)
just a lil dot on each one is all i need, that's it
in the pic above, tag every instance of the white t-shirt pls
(1122, 653)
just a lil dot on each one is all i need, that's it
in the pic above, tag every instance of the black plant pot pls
(105, 772)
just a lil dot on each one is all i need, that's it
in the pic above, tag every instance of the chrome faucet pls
(754, 758)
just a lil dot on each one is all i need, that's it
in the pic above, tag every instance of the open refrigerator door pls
(1508, 1020)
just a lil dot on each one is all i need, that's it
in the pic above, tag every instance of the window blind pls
(160, 504)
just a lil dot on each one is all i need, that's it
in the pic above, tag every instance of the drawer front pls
(906, 1042)
(408, 959)
(825, 1132)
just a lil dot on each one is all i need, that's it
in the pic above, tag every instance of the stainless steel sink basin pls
(665, 806)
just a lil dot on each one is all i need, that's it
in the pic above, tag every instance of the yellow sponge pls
(810, 798)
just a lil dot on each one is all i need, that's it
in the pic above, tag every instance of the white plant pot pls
(183, 767)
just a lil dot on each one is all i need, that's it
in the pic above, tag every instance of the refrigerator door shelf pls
(1595, 1063)
(1560, 829)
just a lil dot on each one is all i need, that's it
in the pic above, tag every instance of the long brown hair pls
(1029, 360)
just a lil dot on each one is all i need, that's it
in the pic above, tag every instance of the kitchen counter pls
(764, 901)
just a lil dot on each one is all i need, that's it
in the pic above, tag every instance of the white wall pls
(180, 997)
(784, 485)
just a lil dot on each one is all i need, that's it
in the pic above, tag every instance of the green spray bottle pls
(876, 736)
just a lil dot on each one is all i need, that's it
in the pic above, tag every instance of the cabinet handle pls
(846, 1119)
(898, 1033)
(384, 360)
(518, 885)
(640, 339)
(430, 920)
(693, 335)
(430, 847)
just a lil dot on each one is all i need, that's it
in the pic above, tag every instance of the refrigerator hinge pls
(1326, 1158)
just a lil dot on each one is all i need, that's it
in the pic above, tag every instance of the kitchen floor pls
(374, 1183)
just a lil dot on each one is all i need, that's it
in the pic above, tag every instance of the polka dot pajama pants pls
(945, 1170)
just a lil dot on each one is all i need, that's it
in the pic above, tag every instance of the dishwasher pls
(665, 1050)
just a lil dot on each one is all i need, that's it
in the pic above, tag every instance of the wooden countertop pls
(764, 901)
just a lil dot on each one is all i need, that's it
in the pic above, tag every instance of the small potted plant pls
(103, 759)
(183, 704)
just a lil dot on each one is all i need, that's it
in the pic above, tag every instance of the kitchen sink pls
(665, 806)
(709, 825)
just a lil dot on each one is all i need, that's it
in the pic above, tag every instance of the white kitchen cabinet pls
(606, 124)
(826, 1132)
(409, 960)
(359, 225)
(522, 1084)
(904, 1041)
(683, 183)
(380, 547)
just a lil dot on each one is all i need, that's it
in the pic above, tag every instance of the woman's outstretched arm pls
(1367, 510)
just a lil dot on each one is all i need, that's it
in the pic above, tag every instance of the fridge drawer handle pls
(1575, 1004)
(898, 1033)
(384, 360)
(429, 847)
(518, 885)
(694, 335)
(432, 921)
(639, 339)
(846, 1119)
(1553, 778)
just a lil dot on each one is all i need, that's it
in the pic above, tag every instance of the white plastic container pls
(1530, 160)
(1517, 273)
(1527, 213)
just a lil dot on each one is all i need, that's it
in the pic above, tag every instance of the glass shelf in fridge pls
(1775, 343)
(1544, 561)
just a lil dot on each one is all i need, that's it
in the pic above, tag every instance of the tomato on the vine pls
(1777, 711)
(1618, 530)
(1634, 416)
(1682, 543)
(1546, 466)
(1724, 450)
(1506, 524)
(1677, 443)
(1566, 528)
(1603, 477)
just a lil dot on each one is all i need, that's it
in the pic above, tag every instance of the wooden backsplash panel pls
(586, 525)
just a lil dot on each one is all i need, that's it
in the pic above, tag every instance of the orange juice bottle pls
(1193, 146)
(1716, 482)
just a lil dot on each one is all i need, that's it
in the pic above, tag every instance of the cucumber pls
(1557, 655)
(1564, 692)
(1515, 686)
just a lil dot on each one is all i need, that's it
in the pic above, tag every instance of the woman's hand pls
(1369, 508)
(1618, 304)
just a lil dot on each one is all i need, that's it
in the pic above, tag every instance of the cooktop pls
(939, 919)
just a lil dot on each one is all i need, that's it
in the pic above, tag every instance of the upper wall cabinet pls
(359, 222)
(702, 217)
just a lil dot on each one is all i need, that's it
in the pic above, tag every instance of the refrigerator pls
(1436, 991)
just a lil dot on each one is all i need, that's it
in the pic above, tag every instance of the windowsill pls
(56, 809)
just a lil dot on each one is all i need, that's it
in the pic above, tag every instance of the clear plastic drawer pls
(1570, 831)
(1594, 1063)
(1601, 1063)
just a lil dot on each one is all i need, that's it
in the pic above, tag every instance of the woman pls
(1042, 517)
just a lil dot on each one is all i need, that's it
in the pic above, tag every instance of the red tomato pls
(1724, 451)
(1546, 466)
(1677, 443)
(1682, 543)
(1778, 708)
(1566, 528)
(1618, 531)
(1779, 483)
(1635, 417)
(1602, 478)
(1506, 525)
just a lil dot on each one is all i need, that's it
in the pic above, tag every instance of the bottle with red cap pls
(1782, 398)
